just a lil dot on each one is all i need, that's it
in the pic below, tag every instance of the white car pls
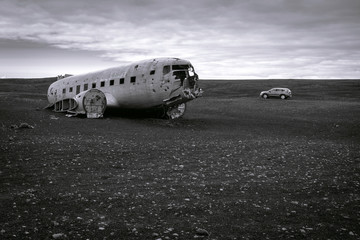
(282, 93)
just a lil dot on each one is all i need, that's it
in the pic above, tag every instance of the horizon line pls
(208, 79)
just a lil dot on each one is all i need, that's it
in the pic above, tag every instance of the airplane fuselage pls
(140, 85)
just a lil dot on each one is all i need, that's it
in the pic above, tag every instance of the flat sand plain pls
(235, 166)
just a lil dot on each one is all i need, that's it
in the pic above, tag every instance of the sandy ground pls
(234, 167)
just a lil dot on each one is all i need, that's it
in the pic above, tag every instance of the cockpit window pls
(180, 75)
(180, 67)
(166, 69)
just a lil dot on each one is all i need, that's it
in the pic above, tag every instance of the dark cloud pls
(229, 39)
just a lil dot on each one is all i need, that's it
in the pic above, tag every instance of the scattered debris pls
(201, 233)
(71, 115)
(52, 117)
(25, 125)
(22, 126)
(58, 236)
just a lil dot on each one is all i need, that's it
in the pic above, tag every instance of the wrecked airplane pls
(162, 83)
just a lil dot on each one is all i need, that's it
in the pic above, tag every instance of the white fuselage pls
(142, 84)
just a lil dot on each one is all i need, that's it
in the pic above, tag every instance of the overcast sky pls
(224, 39)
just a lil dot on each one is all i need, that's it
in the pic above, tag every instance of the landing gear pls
(175, 111)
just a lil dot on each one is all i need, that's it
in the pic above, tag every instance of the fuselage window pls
(86, 86)
(122, 80)
(102, 84)
(166, 70)
(152, 72)
(77, 89)
(93, 85)
(133, 79)
(111, 82)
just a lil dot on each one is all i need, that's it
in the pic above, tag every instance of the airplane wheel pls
(176, 111)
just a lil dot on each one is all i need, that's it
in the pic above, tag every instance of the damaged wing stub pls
(92, 103)
(192, 94)
(175, 106)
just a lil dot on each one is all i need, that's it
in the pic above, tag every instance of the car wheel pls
(265, 96)
(282, 97)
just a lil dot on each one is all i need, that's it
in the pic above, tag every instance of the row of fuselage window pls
(102, 84)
